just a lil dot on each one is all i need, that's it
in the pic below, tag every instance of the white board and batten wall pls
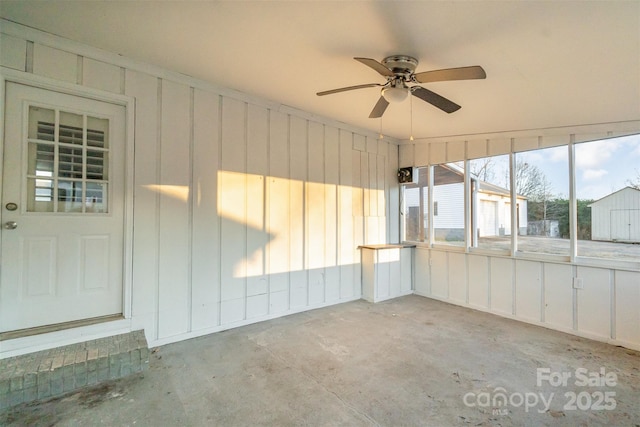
(535, 291)
(243, 210)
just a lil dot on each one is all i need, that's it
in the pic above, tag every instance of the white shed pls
(616, 217)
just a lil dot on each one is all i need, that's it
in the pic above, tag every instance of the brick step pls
(57, 371)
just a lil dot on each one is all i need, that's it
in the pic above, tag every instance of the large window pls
(608, 198)
(416, 208)
(542, 188)
(490, 203)
(598, 218)
(448, 196)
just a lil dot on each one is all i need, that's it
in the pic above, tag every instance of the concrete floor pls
(410, 361)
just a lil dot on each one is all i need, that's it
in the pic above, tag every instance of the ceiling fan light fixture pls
(395, 94)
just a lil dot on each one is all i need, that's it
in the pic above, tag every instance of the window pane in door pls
(97, 132)
(69, 196)
(96, 165)
(70, 162)
(41, 123)
(96, 198)
(71, 128)
(39, 195)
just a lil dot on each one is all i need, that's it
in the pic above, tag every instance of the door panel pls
(63, 167)
(620, 220)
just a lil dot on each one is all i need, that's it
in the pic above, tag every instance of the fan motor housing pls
(400, 64)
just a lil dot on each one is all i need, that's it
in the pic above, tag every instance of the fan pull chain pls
(381, 136)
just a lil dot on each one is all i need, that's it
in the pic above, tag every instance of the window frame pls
(572, 258)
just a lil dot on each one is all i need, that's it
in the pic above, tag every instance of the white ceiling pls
(548, 64)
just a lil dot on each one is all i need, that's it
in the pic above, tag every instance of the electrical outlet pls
(577, 283)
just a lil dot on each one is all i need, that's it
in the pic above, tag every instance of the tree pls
(531, 182)
(483, 169)
(635, 182)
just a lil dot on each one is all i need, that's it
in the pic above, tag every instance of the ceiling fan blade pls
(462, 73)
(434, 99)
(344, 89)
(376, 66)
(379, 108)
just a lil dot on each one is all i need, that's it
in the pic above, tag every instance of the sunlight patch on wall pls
(179, 192)
(287, 225)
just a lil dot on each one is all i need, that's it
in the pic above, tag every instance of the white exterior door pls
(488, 220)
(625, 225)
(62, 208)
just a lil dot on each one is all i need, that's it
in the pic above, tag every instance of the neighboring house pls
(494, 210)
(490, 209)
(616, 217)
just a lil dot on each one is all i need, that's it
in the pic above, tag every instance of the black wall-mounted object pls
(408, 175)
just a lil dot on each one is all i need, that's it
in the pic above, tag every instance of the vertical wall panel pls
(381, 173)
(422, 279)
(383, 148)
(525, 143)
(455, 151)
(372, 184)
(438, 152)
(393, 195)
(205, 262)
(257, 239)
(406, 270)
(298, 168)
(145, 221)
(501, 280)
(175, 176)
(54, 63)
(558, 295)
(478, 272)
(528, 290)
(594, 302)
(359, 142)
(499, 146)
(421, 155)
(13, 52)
(315, 212)
(358, 216)
(439, 274)
(257, 305)
(627, 303)
(100, 75)
(457, 277)
(278, 212)
(332, 179)
(406, 155)
(554, 140)
(364, 184)
(232, 185)
(476, 148)
(346, 246)
(372, 144)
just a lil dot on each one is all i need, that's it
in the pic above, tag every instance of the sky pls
(602, 167)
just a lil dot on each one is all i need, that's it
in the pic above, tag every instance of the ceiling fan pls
(399, 72)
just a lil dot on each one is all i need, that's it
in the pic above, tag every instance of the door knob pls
(10, 225)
